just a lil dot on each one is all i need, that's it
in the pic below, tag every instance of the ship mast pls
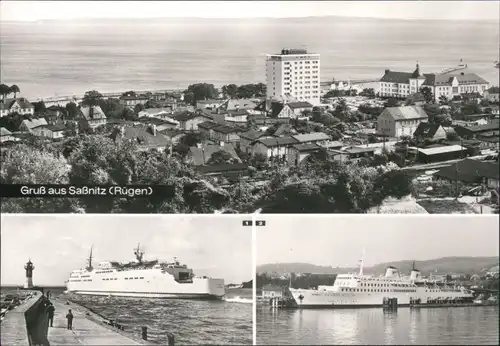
(138, 253)
(361, 262)
(89, 266)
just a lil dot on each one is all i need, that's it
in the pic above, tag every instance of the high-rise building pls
(295, 73)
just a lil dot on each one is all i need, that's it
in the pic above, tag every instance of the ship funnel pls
(415, 273)
(391, 272)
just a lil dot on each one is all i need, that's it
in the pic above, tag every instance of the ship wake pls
(239, 299)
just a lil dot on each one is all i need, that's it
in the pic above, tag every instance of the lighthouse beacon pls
(29, 267)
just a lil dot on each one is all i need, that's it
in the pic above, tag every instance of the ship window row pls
(375, 290)
(386, 285)
(75, 280)
(85, 276)
(109, 279)
(136, 278)
(87, 280)
(104, 271)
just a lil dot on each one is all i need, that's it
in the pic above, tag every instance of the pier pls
(28, 324)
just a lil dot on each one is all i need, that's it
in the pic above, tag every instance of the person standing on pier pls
(50, 312)
(48, 294)
(69, 317)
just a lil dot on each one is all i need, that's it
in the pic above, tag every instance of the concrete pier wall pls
(27, 324)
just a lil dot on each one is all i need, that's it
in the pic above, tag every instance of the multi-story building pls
(294, 72)
(404, 84)
(400, 121)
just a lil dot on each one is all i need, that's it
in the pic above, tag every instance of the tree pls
(391, 102)
(393, 183)
(427, 93)
(452, 136)
(230, 90)
(27, 165)
(138, 108)
(342, 110)
(494, 90)
(443, 100)
(246, 91)
(91, 99)
(39, 106)
(4, 90)
(14, 89)
(220, 157)
(72, 110)
(368, 92)
(200, 91)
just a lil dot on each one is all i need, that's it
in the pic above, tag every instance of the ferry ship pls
(144, 279)
(359, 290)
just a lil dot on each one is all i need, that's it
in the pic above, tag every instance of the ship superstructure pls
(140, 278)
(359, 290)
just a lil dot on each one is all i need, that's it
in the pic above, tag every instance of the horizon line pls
(376, 264)
(245, 18)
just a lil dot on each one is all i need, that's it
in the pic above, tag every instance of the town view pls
(412, 143)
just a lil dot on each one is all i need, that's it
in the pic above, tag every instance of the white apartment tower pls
(294, 73)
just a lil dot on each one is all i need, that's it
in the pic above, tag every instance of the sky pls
(339, 241)
(58, 244)
(453, 10)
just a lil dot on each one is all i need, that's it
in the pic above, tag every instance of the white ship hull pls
(336, 300)
(143, 283)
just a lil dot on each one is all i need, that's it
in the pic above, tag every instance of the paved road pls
(85, 331)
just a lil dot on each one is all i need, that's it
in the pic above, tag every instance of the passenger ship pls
(359, 290)
(145, 279)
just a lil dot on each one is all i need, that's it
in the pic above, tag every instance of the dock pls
(28, 324)
(86, 329)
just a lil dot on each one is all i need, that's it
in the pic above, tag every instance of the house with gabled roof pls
(275, 149)
(93, 118)
(400, 121)
(27, 125)
(427, 131)
(144, 137)
(188, 121)
(16, 105)
(6, 135)
(249, 137)
(201, 154)
(49, 131)
(300, 107)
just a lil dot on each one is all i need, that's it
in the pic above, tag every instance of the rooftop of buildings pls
(470, 170)
(53, 128)
(406, 112)
(441, 149)
(201, 155)
(7, 103)
(34, 122)
(313, 136)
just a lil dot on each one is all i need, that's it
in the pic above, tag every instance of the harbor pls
(28, 324)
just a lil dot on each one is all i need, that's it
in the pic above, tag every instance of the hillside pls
(458, 265)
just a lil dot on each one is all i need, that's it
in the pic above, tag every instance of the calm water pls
(65, 59)
(443, 326)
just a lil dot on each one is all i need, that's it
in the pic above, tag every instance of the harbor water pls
(475, 325)
(64, 58)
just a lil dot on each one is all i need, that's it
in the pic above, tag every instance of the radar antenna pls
(138, 253)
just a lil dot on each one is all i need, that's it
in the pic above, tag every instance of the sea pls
(475, 325)
(202, 322)
(60, 58)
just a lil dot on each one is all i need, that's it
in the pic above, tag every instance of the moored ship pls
(359, 290)
(144, 279)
